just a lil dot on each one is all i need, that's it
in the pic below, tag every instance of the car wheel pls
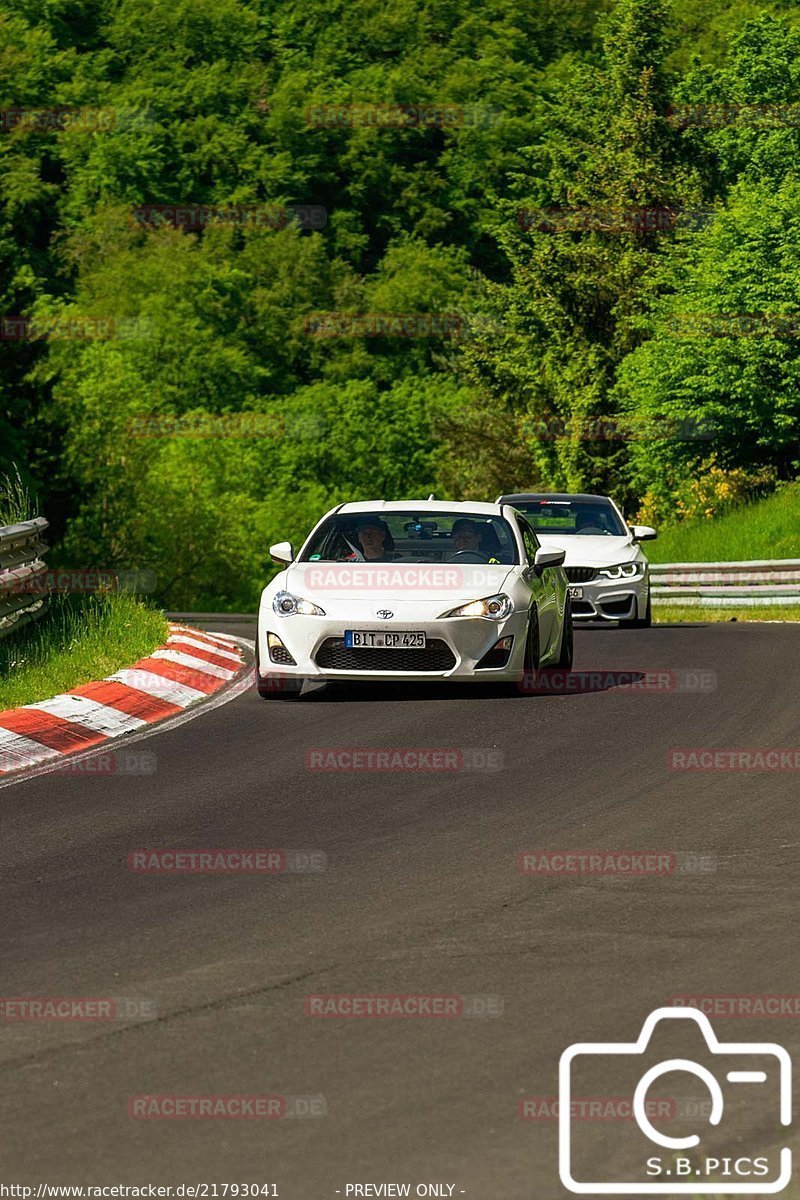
(644, 622)
(532, 644)
(567, 652)
(276, 687)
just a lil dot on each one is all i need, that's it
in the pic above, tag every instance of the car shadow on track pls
(540, 683)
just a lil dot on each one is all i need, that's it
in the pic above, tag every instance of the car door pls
(541, 585)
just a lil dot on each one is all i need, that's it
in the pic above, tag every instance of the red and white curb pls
(189, 668)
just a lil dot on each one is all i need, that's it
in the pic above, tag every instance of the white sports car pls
(606, 568)
(413, 590)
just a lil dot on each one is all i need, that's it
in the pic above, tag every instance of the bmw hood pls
(592, 551)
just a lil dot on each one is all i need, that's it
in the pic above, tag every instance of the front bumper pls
(316, 645)
(610, 599)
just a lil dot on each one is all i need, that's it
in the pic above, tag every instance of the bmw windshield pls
(413, 537)
(590, 518)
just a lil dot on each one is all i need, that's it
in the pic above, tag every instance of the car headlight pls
(497, 608)
(628, 570)
(287, 605)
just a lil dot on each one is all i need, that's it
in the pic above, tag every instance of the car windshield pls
(413, 536)
(591, 518)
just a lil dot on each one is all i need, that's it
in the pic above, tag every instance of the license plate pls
(374, 639)
(576, 593)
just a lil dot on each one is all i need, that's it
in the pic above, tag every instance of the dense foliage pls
(536, 351)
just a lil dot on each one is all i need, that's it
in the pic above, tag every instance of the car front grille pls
(333, 655)
(581, 574)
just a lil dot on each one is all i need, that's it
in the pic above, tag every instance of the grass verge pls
(79, 640)
(675, 613)
(16, 503)
(768, 528)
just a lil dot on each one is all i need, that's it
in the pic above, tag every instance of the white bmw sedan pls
(413, 590)
(607, 570)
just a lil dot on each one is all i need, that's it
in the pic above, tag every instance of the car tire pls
(567, 652)
(532, 648)
(273, 693)
(643, 622)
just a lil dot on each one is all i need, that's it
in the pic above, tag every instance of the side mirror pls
(643, 533)
(282, 552)
(548, 558)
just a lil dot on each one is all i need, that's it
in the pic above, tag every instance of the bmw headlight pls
(497, 608)
(627, 570)
(287, 605)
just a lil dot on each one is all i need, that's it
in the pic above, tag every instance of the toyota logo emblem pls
(385, 614)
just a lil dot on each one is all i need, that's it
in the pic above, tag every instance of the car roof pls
(512, 497)
(431, 506)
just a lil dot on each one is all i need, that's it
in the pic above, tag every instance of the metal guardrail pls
(766, 581)
(21, 551)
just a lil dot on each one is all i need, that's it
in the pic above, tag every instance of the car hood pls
(393, 581)
(592, 551)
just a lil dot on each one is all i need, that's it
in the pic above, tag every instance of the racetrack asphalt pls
(421, 895)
